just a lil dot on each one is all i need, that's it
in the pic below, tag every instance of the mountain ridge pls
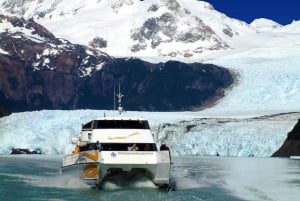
(174, 29)
(163, 27)
(250, 51)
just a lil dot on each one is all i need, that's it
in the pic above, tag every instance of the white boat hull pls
(98, 166)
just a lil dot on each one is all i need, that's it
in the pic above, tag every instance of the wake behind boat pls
(111, 146)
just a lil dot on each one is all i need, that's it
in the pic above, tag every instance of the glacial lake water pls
(39, 177)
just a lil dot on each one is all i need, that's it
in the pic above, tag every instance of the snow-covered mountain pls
(263, 24)
(181, 28)
(173, 28)
(126, 27)
(40, 71)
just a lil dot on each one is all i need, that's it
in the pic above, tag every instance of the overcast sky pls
(281, 11)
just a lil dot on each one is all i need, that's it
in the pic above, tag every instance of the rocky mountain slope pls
(40, 71)
(291, 146)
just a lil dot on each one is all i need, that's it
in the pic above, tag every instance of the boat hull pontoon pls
(98, 166)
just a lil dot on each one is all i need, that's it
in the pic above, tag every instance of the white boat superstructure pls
(116, 137)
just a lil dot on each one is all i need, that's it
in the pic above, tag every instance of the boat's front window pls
(87, 126)
(121, 124)
(120, 146)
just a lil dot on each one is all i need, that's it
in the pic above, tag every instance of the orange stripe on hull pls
(90, 171)
(92, 156)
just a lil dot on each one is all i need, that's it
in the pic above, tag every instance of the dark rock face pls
(40, 71)
(291, 146)
(3, 111)
(164, 86)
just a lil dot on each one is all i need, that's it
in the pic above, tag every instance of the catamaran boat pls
(112, 146)
(127, 145)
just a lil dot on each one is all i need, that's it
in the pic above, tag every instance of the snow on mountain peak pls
(263, 24)
(292, 28)
(145, 28)
(154, 28)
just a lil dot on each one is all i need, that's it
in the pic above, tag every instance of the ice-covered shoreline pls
(51, 130)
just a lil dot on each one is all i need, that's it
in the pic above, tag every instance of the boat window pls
(119, 146)
(124, 146)
(87, 126)
(121, 124)
(91, 146)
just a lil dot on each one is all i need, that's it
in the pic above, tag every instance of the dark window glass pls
(120, 124)
(119, 146)
(87, 126)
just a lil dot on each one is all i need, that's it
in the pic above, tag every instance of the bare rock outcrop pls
(291, 146)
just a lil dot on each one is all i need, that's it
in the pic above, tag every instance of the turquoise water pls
(38, 177)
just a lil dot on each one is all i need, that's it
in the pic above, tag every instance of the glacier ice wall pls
(182, 131)
(250, 137)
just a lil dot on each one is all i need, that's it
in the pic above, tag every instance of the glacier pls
(187, 133)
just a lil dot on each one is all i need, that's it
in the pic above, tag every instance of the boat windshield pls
(119, 146)
(121, 124)
(87, 126)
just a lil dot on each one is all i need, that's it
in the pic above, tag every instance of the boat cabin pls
(117, 134)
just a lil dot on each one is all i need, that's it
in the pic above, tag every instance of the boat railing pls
(90, 156)
(70, 160)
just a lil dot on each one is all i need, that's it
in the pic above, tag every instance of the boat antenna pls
(119, 95)
(114, 96)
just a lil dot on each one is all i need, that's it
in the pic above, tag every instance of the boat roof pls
(121, 118)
